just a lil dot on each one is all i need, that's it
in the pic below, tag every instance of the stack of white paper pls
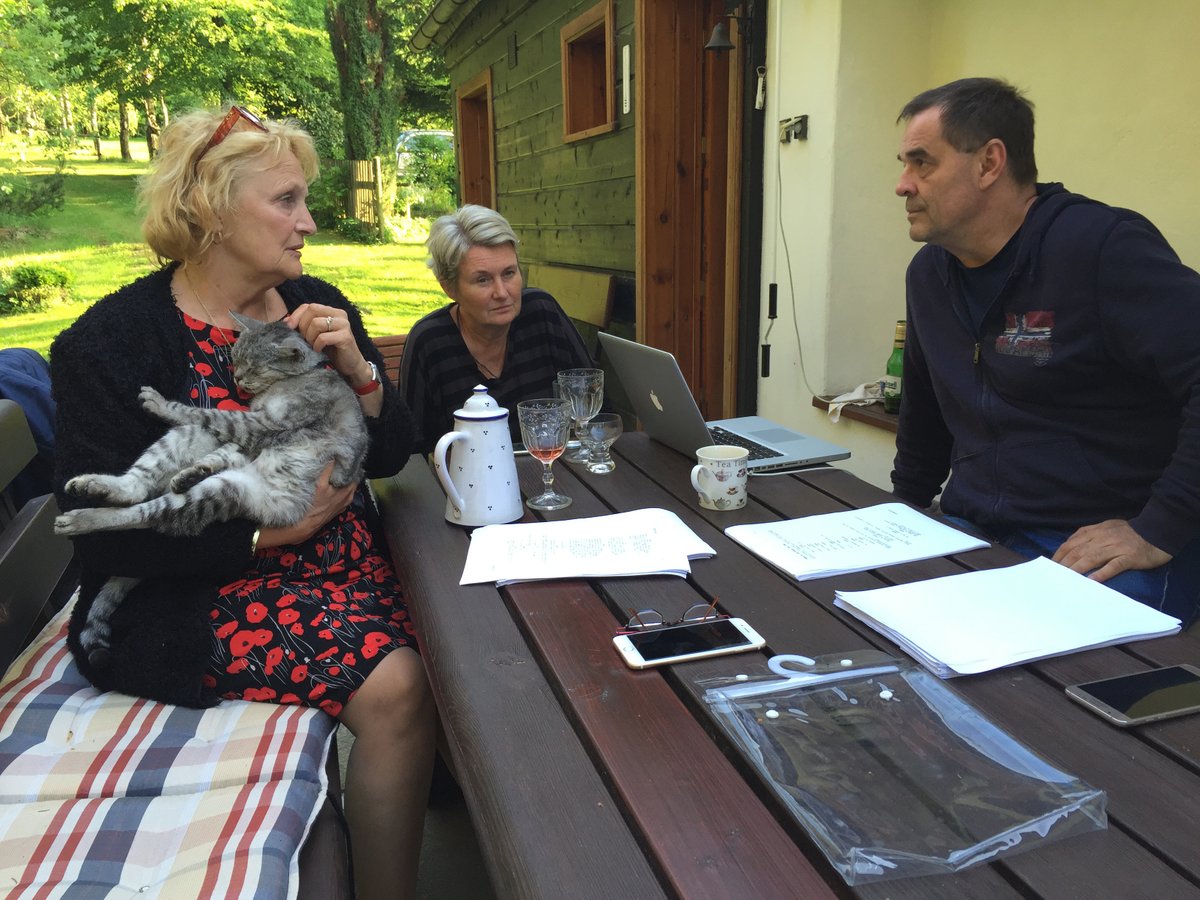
(851, 541)
(978, 621)
(642, 542)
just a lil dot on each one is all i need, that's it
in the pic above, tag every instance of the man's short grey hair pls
(451, 236)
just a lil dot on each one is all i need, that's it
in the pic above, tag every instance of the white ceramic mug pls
(720, 476)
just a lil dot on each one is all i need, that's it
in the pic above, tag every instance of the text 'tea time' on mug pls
(720, 476)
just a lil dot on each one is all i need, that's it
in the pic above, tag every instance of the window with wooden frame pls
(588, 76)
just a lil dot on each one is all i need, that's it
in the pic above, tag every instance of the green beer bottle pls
(894, 374)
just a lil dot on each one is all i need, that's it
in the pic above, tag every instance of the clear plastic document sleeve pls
(892, 773)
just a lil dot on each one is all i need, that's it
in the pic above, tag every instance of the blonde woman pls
(311, 614)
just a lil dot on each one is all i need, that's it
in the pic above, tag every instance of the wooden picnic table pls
(587, 779)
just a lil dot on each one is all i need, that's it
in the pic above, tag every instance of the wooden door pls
(476, 141)
(687, 195)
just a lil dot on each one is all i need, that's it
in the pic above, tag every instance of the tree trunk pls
(151, 127)
(94, 119)
(123, 108)
(360, 35)
(68, 113)
(166, 114)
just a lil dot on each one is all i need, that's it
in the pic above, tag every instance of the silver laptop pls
(669, 414)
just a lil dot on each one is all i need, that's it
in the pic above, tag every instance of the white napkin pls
(863, 395)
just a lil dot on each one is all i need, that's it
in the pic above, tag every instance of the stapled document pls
(641, 542)
(834, 543)
(978, 621)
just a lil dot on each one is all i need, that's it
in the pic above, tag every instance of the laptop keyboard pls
(757, 451)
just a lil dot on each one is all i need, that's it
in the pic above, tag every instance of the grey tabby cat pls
(214, 465)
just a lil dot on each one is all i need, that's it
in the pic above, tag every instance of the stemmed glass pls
(585, 389)
(544, 427)
(598, 436)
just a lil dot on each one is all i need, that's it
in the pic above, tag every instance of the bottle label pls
(890, 384)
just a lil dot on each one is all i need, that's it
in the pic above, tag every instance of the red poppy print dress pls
(307, 623)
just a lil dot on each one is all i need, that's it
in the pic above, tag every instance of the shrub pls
(357, 230)
(33, 287)
(327, 195)
(23, 195)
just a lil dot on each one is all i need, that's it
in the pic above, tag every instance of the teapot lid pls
(481, 407)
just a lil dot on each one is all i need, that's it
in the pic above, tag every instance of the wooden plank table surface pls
(587, 779)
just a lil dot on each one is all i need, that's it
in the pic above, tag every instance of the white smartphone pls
(680, 643)
(1142, 696)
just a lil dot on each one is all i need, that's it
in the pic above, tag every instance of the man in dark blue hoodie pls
(1052, 361)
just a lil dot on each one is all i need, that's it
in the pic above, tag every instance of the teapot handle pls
(443, 473)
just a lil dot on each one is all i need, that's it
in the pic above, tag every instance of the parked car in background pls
(420, 150)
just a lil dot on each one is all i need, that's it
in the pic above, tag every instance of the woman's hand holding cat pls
(327, 329)
(328, 502)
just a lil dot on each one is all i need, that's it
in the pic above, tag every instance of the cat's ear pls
(294, 354)
(245, 322)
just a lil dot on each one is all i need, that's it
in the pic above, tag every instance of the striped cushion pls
(101, 789)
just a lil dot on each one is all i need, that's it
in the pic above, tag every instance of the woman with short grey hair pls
(451, 236)
(495, 332)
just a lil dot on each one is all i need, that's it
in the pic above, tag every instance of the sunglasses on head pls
(237, 119)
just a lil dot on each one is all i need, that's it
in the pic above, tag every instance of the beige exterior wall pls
(1116, 87)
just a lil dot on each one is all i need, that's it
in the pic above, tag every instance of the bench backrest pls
(34, 561)
(392, 348)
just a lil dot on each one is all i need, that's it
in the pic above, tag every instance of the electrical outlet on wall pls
(795, 128)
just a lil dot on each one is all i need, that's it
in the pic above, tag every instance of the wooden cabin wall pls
(570, 204)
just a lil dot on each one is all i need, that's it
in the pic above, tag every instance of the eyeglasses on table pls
(645, 619)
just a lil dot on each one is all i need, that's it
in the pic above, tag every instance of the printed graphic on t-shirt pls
(1028, 334)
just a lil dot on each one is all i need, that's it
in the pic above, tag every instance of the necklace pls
(212, 320)
(484, 370)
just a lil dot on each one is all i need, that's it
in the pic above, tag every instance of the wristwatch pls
(371, 386)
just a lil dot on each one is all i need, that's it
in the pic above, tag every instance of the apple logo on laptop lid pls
(654, 400)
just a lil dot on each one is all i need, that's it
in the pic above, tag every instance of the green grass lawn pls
(96, 236)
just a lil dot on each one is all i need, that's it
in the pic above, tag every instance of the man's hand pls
(1108, 549)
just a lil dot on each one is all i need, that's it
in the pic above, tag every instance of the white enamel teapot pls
(480, 476)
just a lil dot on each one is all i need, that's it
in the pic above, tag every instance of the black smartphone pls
(1143, 696)
(680, 643)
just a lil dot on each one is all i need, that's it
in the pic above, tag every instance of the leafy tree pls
(360, 35)
(426, 101)
(29, 51)
(381, 80)
(155, 54)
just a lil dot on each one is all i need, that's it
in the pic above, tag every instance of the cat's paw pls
(86, 520)
(86, 486)
(188, 478)
(71, 522)
(99, 657)
(106, 488)
(157, 405)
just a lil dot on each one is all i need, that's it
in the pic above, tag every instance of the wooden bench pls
(56, 730)
(392, 348)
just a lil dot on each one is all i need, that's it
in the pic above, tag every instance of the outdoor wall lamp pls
(720, 34)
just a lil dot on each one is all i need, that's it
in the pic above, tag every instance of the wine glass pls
(585, 389)
(544, 426)
(598, 435)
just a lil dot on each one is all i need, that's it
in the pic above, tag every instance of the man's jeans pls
(1173, 588)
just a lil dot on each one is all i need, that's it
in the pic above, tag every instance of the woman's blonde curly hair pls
(187, 192)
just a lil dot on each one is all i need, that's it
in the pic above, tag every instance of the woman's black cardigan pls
(161, 637)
